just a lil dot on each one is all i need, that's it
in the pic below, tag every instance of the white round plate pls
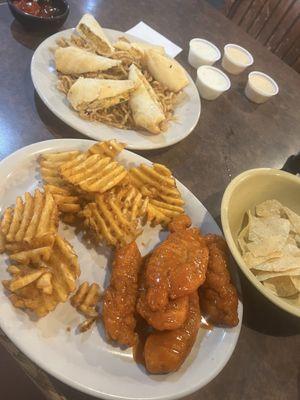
(87, 361)
(44, 78)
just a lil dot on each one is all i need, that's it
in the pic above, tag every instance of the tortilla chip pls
(281, 286)
(284, 263)
(269, 208)
(267, 247)
(264, 228)
(296, 281)
(294, 220)
(253, 261)
(291, 249)
(242, 239)
(262, 276)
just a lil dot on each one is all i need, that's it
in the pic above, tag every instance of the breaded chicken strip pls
(165, 352)
(218, 296)
(177, 267)
(121, 295)
(170, 317)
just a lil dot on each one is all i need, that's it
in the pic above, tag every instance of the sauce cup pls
(203, 52)
(211, 82)
(260, 87)
(236, 59)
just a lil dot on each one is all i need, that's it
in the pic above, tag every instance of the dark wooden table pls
(232, 135)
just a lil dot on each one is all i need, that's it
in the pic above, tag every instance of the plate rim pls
(73, 124)
(75, 383)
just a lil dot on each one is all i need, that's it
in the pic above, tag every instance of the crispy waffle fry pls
(50, 163)
(41, 289)
(157, 183)
(116, 216)
(85, 300)
(86, 324)
(67, 201)
(32, 256)
(93, 174)
(31, 223)
(109, 148)
(66, 198)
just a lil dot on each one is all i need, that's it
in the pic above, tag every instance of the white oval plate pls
(87, 361)
(44, 78)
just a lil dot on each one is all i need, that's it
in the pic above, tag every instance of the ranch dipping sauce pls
(203, 52)
(263, 84)
(237, 55)
(260, 87)
(213, 79)
(236, 59)
(211, 82)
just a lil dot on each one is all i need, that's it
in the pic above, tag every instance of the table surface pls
(232, 135)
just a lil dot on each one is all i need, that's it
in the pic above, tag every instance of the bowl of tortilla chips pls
(260, 215)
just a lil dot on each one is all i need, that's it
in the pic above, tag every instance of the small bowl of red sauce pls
(40, 14)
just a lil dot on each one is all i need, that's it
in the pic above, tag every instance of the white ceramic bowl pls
(198, 57)
(257, 94)
(209, 88)
(232, 65)
(243, 193)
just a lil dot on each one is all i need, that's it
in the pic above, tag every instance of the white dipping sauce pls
(213, 79)
(204, 50)
(262, 83)
(237, 55)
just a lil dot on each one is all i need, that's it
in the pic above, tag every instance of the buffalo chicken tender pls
(75, 61)
(90, 93)
(173, 316)
(218, 296)
(177, 267)
(166, 71)
(92, 32)
(120, 297)
(146, 109)
(166, 351)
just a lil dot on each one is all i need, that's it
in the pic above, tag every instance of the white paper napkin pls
(145, 32)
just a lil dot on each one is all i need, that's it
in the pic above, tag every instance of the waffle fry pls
(50, 163)
(32, 256)
(116, 216)
(109, 148)
(93, 174)
(41, 289)
(67, 201)
(64, 196)
(157, 183)
(85, 300)
(31, 223)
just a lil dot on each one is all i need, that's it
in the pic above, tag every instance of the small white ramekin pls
(232, 66)
(257, 95)
(196, 58)
(208, 91)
